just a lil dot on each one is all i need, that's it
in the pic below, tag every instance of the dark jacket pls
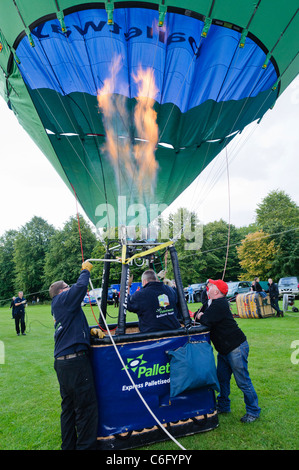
(19, 309)
(273, 290)
(225, 333)
(72, 333)
(257, 287)
(156, 307)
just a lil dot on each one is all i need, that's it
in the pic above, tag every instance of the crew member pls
(274, 295)
(155, 304)
(19, 313)
(79, 412)
(232, 346)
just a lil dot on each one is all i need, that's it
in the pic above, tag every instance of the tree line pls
(38, 254)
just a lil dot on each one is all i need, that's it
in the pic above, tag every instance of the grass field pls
(30, 400)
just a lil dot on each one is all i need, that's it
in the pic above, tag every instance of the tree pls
(214, 252)
(30, 248)
(64, 257)
(208, 259)
(97, 272)
(184, 227)
(7, 271)
(256, 254)
(278, 215)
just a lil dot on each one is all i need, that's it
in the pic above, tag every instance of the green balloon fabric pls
(131, 101)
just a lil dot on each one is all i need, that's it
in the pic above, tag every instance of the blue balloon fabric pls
(188, 70)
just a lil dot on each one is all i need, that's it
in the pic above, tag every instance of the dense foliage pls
(38, 254)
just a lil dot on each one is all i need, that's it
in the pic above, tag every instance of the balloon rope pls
(79, 228)
(115, 347)
(229, 224)
(132, 381)
(82, 253)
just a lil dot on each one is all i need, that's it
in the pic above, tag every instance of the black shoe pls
(248, 418)
(24, 334)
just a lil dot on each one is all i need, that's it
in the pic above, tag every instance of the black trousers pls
(20, 318)
(79, 410)
(274, 304)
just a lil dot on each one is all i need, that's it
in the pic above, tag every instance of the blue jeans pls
(236, 363)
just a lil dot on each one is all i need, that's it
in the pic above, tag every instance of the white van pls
(288, 285)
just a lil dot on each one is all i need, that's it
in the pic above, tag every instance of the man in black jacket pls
(155, 304)
(19, 313)
(274, 293)
(232, 347)
(79, 412)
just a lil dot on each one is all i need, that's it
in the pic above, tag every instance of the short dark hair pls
(56, 287)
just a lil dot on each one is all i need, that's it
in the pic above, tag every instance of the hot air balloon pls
(215, 68)
(130, 101)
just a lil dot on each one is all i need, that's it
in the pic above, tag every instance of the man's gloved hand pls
(87, 265)
(97, 332)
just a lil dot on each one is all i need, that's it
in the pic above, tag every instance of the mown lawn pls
(30, 400)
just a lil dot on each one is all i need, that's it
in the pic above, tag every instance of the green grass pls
(30, 399)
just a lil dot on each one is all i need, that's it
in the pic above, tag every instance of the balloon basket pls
(124, 420)
(253, 305)
(127, 362)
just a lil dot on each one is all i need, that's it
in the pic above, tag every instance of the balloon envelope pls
(214, 69)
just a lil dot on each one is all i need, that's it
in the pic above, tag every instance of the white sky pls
(265, 158)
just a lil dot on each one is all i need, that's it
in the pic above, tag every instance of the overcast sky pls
(264, 158)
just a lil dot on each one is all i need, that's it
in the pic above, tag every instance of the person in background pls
(204, 298)
(79, 410)
(274, 294)
(115, 298)
(12, 306)
(190, 294)
(256, 287)
(19, 313)
(232, 347)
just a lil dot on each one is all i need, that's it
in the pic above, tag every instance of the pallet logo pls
(137, 365)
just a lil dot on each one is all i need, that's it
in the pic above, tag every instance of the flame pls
(109, 106)
(132, 157)
(147, 128)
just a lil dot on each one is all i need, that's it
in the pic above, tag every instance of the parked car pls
(288, 285)
(92, 296)
(238, 287)
(197, 289)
